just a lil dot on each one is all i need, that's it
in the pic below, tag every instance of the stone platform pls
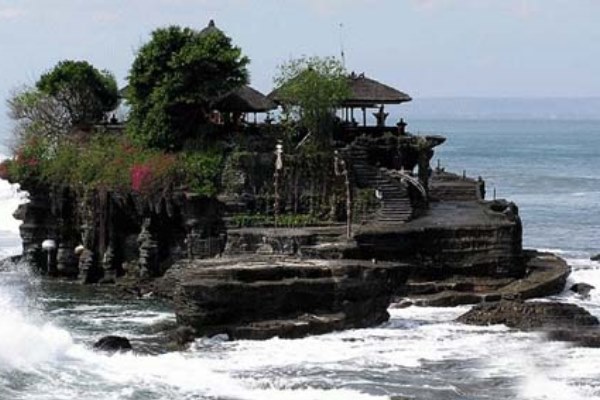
(470, 238)
(546, 275)
(260, 297)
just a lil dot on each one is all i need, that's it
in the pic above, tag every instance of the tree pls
(310, 90)
(175, 81)
(38, 114)
(86, 93)
(72, 95)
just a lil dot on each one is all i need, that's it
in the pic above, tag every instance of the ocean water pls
(549, 168)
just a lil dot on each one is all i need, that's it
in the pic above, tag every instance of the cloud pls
(10, 13)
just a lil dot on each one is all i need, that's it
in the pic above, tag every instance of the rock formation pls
(322, 245)
(262, 297)
(529, 315)
(113, 344)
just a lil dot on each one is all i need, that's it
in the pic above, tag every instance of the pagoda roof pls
(210, 28)
(245, 99)
(367, 92)
(364, 92)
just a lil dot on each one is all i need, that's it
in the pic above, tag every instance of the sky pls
(427, 48)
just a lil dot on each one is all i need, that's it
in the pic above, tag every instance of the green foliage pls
(112, 163)
(201, 170)
(73, 94)
(310, 90)
(85, 93)
(27, 163)
(175, 80)
(365, 205)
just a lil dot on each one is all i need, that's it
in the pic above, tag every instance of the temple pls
(301, 237)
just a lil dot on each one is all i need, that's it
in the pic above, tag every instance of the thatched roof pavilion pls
(369, 93)
(245, 100)
(366, 92)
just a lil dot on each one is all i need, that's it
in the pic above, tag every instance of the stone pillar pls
(36, 227)
(148, 263)
(87, 268)
(108, 266)
(66, 260)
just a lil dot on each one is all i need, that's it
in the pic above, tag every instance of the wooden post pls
(364, 110)
(340, 168)
(348, 203)
(276, 203)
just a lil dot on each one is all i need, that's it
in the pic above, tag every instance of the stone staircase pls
(445, 186)
(395, 202)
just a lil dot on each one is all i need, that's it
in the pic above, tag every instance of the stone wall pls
(101, 236)
(476, 239)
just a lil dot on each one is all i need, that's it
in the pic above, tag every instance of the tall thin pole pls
(342, 50)
(341, 169)
(278, 167)
(348, 202)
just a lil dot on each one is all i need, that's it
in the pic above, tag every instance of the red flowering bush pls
(27, 162)
(140, 176)
(4, 169)
(158, 172)
(112, 163)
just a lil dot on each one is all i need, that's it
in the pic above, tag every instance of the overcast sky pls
(507, 48)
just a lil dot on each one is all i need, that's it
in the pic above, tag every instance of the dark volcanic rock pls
(546, 275)
(259, 298)
(465, 238)
(582, 337)
(530, 315)
(595, 258)
(582, 289)
(113, 344)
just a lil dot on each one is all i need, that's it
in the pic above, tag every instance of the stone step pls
(396, 211)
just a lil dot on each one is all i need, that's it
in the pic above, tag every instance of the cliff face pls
(260, 297)
(454, 238)
(100, 236)
(442, 228)
(295, 268)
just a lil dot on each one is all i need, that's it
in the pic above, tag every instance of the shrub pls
(112, 163)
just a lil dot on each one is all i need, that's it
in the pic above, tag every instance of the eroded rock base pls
(546, 275)
(262, 297)
(561, 322)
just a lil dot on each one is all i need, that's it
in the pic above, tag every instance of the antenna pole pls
(342, 51)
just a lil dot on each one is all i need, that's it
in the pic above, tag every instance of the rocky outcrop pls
(583, 337)
(116, 234)
(113, 344)
(258, 297)
(582, 289)
(559, 321)
(546, 275)
(453, 238)
(530, 315)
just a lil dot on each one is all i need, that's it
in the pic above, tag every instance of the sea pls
(549, 167)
